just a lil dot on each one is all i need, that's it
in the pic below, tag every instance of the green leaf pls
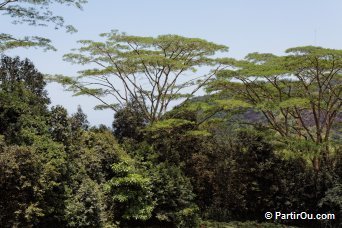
(295, 102)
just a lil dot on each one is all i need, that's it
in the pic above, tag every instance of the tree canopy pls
(151, 71)
(298, 93)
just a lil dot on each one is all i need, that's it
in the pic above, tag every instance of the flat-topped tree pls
(150, 71)
(33, 13)
(298, 93)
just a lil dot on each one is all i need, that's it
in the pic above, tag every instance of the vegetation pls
(151, 72)
(33, 13)
(299, 94)
(265, 138)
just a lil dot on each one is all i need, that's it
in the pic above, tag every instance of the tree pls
(153, 72)
(129, 193)
(23, 99)
(34, 13)
(172, 192)
(31, 183)
(16, 75)
(90, 159)
(129, 122)
(60, 127)
(79, 120)
(19, 171)
(299, 94)
(83, 208)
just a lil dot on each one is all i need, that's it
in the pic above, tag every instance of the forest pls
(198, 139)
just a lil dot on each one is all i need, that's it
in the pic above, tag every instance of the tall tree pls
(34, 13)
(299, 94)
(151, 71)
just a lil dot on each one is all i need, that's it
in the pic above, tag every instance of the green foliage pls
(196, 160)
(25, 11)
(100, 151)
(163, 156)
(23, 96)
(248, 166)
(332, 202)
(129, 123)
(79, 120)
(169, 125)
(23, 100)
(293, 102)
(8, 42)
(17, 75)
(299, 93)
(129, 193)
(60, 128)
(104, 187)
(231, 104)
(19, 169)
(33, 13)
(173, 196)
(34, 175)
(171, 140)
(83, 208)
(249, 177)
(31, 184)
(154, 71)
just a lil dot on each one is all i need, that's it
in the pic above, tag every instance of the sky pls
(245, 26)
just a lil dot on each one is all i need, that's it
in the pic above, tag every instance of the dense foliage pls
(215, 161)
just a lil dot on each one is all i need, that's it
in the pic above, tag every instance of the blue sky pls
(243, 25)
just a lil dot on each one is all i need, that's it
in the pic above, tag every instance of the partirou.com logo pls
(277, 215)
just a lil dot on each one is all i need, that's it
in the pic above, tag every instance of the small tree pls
(60, 127)
(79, 120)
(152, 72)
